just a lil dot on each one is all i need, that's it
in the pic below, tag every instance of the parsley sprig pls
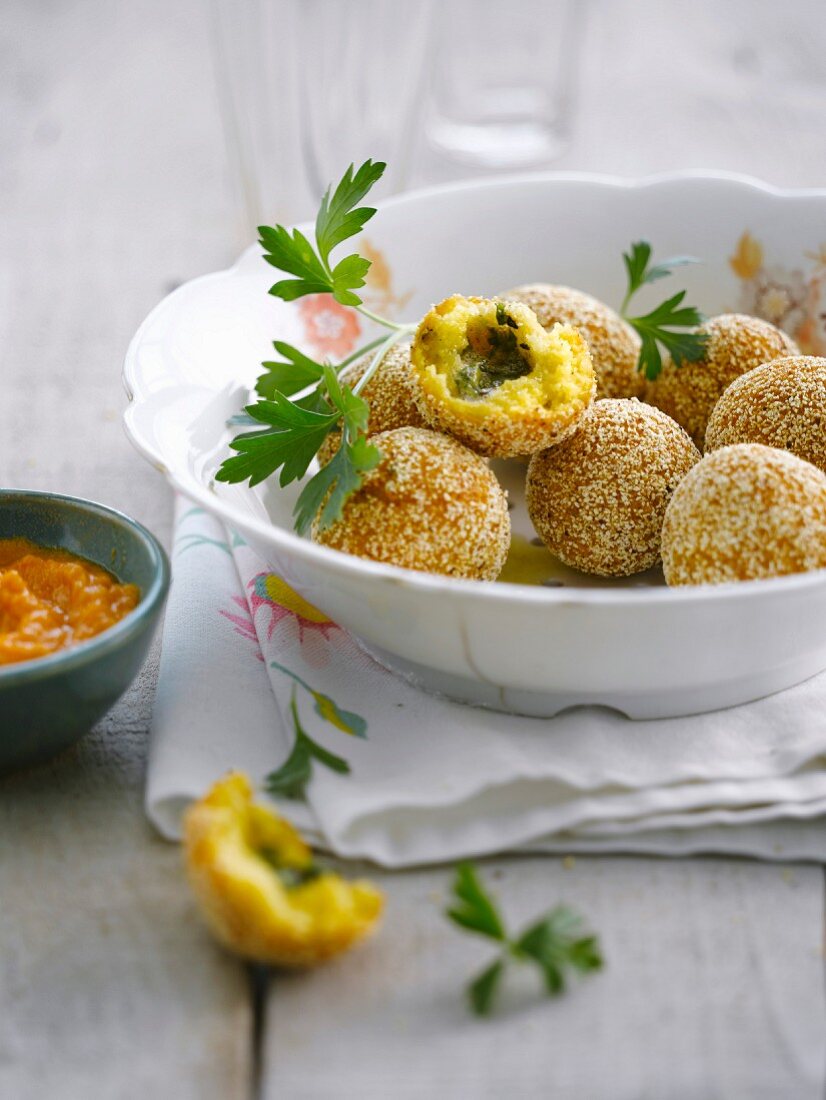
(555, 943)
(337, 219)
(301, 400)
(662, 326)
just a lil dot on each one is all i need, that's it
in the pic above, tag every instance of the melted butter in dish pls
(530, 562)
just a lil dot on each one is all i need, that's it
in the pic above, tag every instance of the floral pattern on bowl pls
(644, 649)
(791, 298)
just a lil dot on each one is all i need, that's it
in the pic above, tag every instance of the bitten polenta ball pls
(736, 344)
(612, 342)
(598, 500)
(258, 887)
(781, 404)
(430, 504)
(491, 376)
(390, 393)
(745, 512)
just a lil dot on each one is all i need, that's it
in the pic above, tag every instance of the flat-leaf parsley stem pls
(371, 316)
(385, 346)
(357, 354)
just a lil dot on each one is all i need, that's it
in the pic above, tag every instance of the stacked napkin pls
(408, 778)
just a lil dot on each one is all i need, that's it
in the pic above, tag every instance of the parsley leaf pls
(298, 425)
(482, 990)
(656, 329)
(293, 253)
(334, 483)
(337, 219)
(349, 275)
(295, 371)
(556, 943)
(354, 409)
(638, 271)
(297, 429)
(475, 911)
(297, 433)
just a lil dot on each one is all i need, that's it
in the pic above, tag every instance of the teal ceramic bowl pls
(48, 703)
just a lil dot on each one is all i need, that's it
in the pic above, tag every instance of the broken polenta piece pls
(612, 342)
(493, 378)
(258, 887)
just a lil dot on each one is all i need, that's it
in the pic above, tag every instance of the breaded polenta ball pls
(389, 393)
(781, 404)
(491, 376)
(612, 342)
(745, 512)
(598, 499)
(736, 343)
(430, 504)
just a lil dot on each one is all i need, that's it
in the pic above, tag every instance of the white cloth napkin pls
(430, 780)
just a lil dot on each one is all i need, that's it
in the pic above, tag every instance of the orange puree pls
(50, 599)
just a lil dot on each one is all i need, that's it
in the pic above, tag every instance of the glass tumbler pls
(308, 86)
(503, 82)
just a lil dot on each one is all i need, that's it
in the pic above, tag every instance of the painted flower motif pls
(811, 336)
(266, 590)
(817, 255)
(779, 296)
(788, 298)
(330, 328)
(286, 607)
(747, 258)
(379, 291)
(243, 624)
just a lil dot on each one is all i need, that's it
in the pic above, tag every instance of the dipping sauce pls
(51, 599)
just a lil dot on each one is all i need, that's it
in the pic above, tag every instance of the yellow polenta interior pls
(239, 854)
(557, 364)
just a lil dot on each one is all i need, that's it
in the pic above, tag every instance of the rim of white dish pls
(346, 565)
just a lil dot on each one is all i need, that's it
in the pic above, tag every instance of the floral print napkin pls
(253, 677)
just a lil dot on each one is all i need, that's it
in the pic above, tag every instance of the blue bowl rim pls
(114, 637)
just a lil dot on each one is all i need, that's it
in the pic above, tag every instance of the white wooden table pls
(112, 189)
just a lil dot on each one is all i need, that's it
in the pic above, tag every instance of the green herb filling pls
(493, 355)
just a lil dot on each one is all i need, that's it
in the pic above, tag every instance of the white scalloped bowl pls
(636, 646)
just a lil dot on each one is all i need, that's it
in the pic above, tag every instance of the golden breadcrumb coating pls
(744, 512)
(431, 505)
(737, 343)
(389, 393)
(781, 404)
(598, 499)
(492, 377)
(613, 344)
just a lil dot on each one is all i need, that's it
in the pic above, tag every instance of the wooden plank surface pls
(110, 169)
(112, 188)
(712, 988)
(715, 984)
